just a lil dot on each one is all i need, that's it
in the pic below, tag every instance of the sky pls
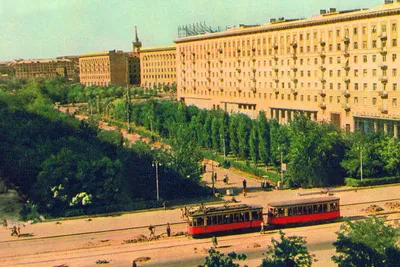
(33, 29)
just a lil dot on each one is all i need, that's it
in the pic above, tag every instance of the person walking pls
(262, 231)
(152, 230)
(214, 241)
(168, 230)
(244, 187)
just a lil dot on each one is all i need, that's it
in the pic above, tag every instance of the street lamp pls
(156, 164)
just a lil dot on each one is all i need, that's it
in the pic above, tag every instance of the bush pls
(371, 181)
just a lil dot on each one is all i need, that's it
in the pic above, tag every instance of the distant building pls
(46, 68)
(337, 66)
(134, 68)
(6, 69)
(158, 66)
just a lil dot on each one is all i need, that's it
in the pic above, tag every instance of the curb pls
(327, 191)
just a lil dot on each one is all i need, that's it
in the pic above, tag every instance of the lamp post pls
(155, 164)
(361, 164)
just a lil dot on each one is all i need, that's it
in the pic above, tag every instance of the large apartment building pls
(104, 68)
(337, 66)
(48, 68)
(158, 66)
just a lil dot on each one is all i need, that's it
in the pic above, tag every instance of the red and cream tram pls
(224, 218)
(303, 211)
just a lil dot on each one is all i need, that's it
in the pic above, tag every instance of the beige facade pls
(46, 68)
(341, 67)
(104, 68)
(158, 66)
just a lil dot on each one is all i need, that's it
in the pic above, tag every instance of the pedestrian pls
(262, 231)
(152, 230)
(215, 176)
(244, 184)
(168, 230)
(14, 231)
(204, 167)
(214, 241)
(164, 205)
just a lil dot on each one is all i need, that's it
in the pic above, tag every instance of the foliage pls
(290, 251)
(218, 259)
(371, 181)
(356, 248)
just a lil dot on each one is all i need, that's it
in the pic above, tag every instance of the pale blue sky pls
(51, 28)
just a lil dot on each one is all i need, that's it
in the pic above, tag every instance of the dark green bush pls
(371, 181)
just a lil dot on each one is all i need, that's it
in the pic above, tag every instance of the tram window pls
(231, 218)
(290, 211)
(246, 217)
(281, 212)
(315, 209)
(255, 215)
(236, 217)
(325, 207)
(220, 219)
(319, 208)
(299, 210)
(209, 220)
(334, 206)
(199, 222)
(310, 210)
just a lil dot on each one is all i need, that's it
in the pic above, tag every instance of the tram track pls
(175, 224)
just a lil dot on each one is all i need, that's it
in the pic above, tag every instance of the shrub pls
(371, 181)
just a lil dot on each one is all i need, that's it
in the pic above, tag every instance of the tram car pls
(242, 217)
(303, 211)
(211, 220)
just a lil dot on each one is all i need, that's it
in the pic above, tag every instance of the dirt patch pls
(372, 209)
(254, 245)
(392, 205)
(255, 177)
(142, 259)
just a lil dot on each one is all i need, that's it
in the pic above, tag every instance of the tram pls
(225, 218)
(240, 217)
(303, 211)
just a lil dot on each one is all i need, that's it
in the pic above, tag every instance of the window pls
(394, 27)
(355, 45)
(394, 102)
(356, 86)
(374, 86)
(365, 86)
(355, 59)
(364, 101)
(374, 101)
(374, 72)
(338, 99)
(383, 27)
(394, 72)
(394, 42)
(355, 31)
(394, 57)
(365, 59)
(355, 73)
(364, 44)
(355, 100)
(394, 86)
(373, 58)
(373, 43)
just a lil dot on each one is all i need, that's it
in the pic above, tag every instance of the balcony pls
(383, 94)
(346, 93)
(294, 80)
(253, 50)
(383, 37)
(346, 54)
(346, 80)
(254, 60)
(383, 66)
(294, 56)
(254, 80)
(221, 61)
(383, 51)
(221, 70)
(322, 43)
(322, 92)
(276, 58)
(346, 67)
(208, 79)
(275, 46)
(194, 88)
(294, 68)
(221, 80)
(254, 70)
(239, 80)
(383, 110)
(294, 91)
(383, 79)
(239, 61)
(208, 62)
(276, 69)
(254, 89)
(276, 90)
(294, 45)
(323, 80)
(276, 80)
(346, 107)
(239, 70)
(346, 40)
(322, 55)
(221, 89)
(209, 89)
(238, 89)
(322, 68)
(220, 50)
(322, 105)
(183, 71)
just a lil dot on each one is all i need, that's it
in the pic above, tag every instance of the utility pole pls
(212, 178)
(281, 167)
(155, 163)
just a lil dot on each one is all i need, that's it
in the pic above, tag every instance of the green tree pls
(233, 137)
(264, 144)
(254, 142)
(288, 252)
(215, 134)
(356, 248)
(218, 259)
(243, 134)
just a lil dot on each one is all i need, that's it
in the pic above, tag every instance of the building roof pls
(332, 16)
(224, 209)
(158, 48)
(31, 61)
(101, 53)
(302, 201)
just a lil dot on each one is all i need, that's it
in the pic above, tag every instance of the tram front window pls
(198, 222)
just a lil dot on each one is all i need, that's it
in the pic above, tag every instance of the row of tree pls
(378, 248)
(316, 154)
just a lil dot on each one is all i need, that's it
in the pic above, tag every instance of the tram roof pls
(302, 201)
(225, 209)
